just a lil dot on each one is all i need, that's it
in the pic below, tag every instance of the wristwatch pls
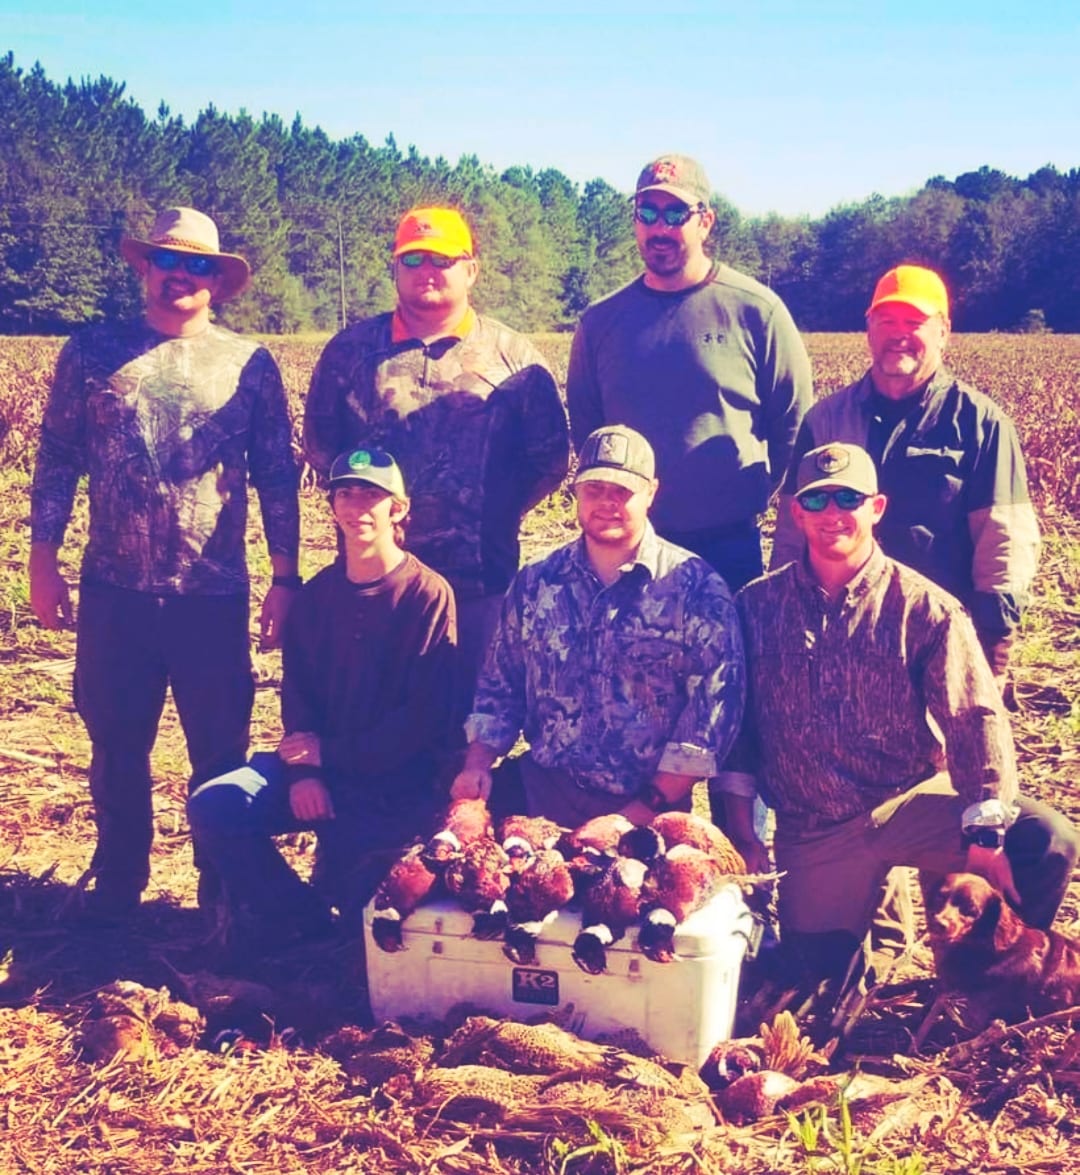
(986, 836)
(986, 822)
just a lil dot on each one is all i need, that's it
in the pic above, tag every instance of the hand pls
(302, 748)
(755, 854)
(275, 608)
(472, 783)
(49, 595)
(994, 865)
(309, 800)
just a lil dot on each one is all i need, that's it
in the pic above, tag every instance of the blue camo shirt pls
(613, 684)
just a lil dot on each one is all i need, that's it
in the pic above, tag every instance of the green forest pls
(82, 165)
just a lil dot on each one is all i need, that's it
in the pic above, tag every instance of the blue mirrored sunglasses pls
(674, 215)
(816, 500)
(194, 263)
(417, 258)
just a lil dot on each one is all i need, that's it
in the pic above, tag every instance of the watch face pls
(986, 838)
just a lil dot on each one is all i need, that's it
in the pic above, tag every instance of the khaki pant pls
(835, 874)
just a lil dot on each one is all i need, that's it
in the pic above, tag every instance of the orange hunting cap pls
(433, 230)
(914, 286)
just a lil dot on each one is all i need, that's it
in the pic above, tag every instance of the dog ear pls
(1009, 926)
(985, 926)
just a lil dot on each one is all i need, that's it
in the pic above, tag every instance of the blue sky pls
(791, 107)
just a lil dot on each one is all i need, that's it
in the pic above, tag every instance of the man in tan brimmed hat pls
(947, 456)
(170, 418)
(468, 407)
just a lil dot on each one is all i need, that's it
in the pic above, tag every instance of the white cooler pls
(681, 1009)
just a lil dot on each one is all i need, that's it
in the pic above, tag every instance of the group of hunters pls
(856, 689)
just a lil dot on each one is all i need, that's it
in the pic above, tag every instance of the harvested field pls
(107, 1055)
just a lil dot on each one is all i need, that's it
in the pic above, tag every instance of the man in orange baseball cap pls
(947, 457)
(468, 407)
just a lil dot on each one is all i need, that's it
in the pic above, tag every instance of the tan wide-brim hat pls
(186, 230)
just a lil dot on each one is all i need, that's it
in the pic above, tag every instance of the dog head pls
(964, 907)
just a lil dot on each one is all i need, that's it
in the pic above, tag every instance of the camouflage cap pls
(367, 467)
(617, 454)
(678, 174)
(837, 465)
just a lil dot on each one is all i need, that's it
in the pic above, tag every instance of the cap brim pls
(834, 483)
(927, 308)
(234, 271)
(691, 198)
(619, 477)
(445, 248)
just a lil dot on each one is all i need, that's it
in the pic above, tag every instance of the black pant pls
(130, 647)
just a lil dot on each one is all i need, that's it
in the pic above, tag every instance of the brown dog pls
(985, 952)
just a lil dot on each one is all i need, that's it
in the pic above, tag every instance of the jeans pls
(235, 816)
(130, 647)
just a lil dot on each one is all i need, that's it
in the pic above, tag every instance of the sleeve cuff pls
(736, 783)
(687, 759)
(492, 732)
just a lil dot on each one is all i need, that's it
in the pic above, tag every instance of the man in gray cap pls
(367, 686)
(875, 730)
(170, 418)
(618, 656)
(703, 361)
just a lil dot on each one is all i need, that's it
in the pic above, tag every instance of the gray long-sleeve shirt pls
(716, 377)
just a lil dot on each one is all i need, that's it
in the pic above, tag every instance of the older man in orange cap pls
(947, 457)
(467, 406)
(170, 418)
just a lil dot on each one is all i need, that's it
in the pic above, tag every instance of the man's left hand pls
(275, 608)
(994, 865)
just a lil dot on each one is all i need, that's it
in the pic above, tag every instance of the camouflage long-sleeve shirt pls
(169, 430)
(854, 700)
(475, 422)
(613, 684)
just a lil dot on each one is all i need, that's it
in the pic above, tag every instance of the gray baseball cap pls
(837, 465)
(617, 454)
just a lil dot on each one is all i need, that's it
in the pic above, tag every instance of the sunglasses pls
(674, 215)
(417, 258)
(198, 266)
(816, 500)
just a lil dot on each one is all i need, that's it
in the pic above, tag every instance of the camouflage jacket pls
(613, 684)
(476, 424)
(168, 430)
(851, 701)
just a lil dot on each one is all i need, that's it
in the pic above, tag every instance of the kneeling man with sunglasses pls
(875, 730)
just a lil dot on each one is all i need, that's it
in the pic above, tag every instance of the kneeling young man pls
(875, 729)
(369, 661)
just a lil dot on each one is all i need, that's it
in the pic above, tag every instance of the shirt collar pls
(647, 557)
(863, 581)
(399, 332)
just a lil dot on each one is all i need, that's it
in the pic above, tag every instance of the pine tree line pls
(82, 165)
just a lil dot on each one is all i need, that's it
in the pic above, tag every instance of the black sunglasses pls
(417, 258)
(195, 264)
(816, 500)
(674, 215)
